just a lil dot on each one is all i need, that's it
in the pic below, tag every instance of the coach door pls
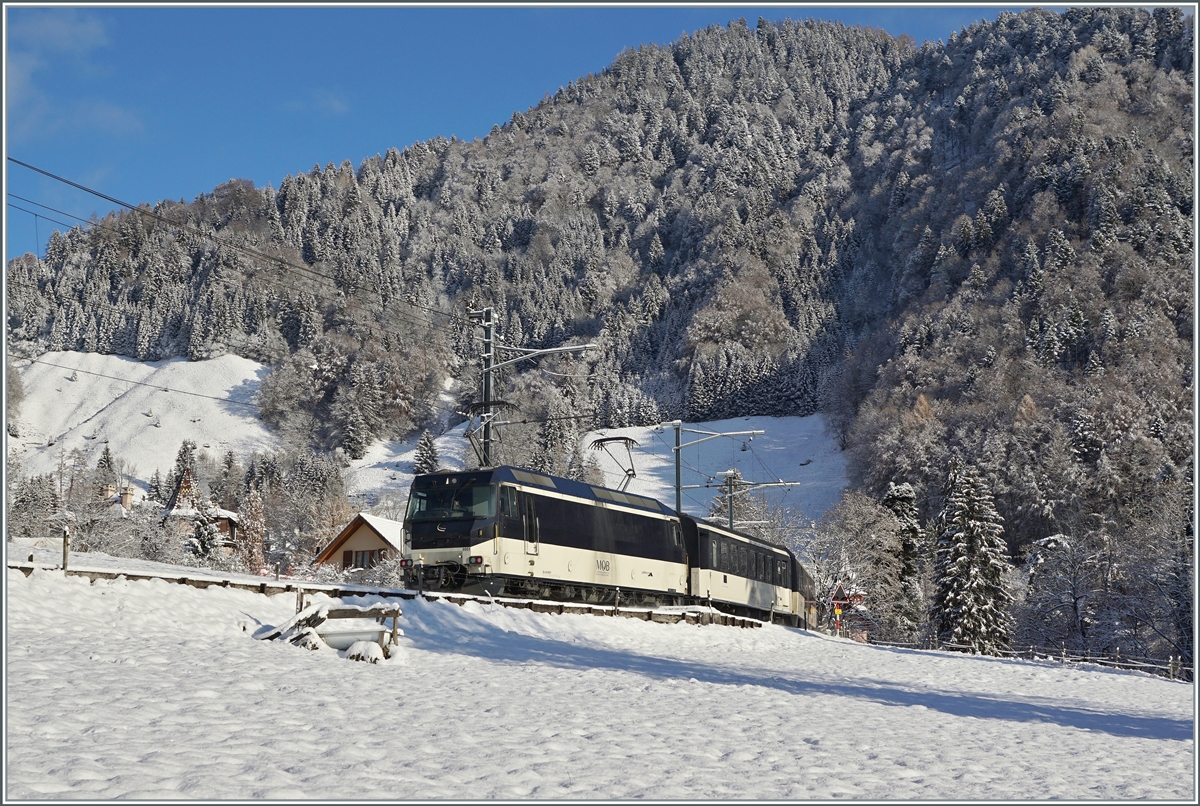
(530, 524)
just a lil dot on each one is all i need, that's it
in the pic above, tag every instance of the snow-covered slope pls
(81, 400)
(151, 690)
(120, 400)
(792, 449)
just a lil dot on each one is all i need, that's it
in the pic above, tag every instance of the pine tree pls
(157, 492)
(185, 459)
(206, 537)
(427, 456)
(901, 501)
(106, 470)
(252, 528)
(970, 607)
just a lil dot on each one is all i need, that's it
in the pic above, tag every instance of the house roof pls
(389, 531)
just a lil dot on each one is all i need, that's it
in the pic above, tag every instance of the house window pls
(366, 559)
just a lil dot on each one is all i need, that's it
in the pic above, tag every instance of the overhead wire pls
(345, 299)
(306, 270)
(144, 383)
(683, 463)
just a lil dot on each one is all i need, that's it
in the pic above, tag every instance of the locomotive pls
(515, 532)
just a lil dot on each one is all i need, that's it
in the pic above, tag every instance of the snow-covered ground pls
(60, 415)
(144, 689)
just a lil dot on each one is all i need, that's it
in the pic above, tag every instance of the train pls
(508, 531)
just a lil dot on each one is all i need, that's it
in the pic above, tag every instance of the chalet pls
(364, 542)
(850, 617)
(186, 507)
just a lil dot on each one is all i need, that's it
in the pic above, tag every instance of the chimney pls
(127, 497)
(109, 491)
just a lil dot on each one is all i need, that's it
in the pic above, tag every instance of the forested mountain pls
(980, 249)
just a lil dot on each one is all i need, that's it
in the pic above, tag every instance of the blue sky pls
(145, 104)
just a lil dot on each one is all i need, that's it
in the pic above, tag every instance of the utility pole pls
(678, 449)
(730, 493)
(486, 319)
(729, 476)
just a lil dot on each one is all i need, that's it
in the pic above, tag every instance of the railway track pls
(698, 614)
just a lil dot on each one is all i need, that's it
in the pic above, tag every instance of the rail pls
(699, 615)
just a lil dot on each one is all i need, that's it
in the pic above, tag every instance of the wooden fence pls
(1173, 667)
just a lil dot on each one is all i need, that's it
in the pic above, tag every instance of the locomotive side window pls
(508, 502)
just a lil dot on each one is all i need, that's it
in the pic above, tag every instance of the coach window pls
(716, 556)
(742, 561)
(724, 556)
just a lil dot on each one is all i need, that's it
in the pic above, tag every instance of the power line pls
(582, 416)
(143, 383)
(346, 299)
(36, 215)
(243, 249)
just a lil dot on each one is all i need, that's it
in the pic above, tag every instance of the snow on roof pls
(391, 531)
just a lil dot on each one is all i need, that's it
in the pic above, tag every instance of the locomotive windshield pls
(445, 503)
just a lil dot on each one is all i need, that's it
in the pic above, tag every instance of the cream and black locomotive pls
(506, 531)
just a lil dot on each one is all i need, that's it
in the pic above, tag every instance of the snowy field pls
(60, 414)
(145, 689)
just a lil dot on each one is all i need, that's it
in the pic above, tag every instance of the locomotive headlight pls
(406, 563)
(474, 561)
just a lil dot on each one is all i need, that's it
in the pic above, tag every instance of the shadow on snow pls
(457, 633)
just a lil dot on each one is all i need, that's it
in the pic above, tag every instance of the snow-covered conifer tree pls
(252, 527)
(970, 607)
(157, 491)
(901, 500)
(427, 456)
